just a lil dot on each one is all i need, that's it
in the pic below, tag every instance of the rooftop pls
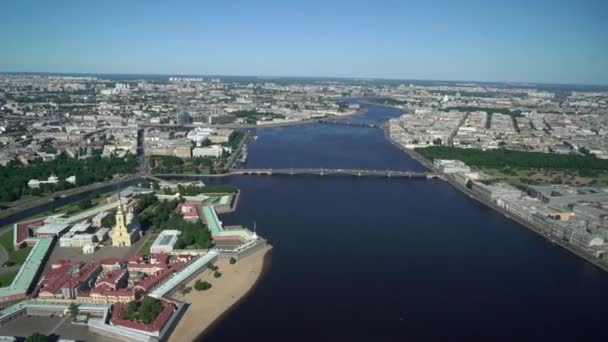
(184, 274)
(215, 226)
(28, 270)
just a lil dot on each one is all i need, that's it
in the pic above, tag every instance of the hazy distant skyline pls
(503, 41)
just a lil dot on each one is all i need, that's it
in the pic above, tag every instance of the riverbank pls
(361, 111)
(23, 205)
(208, 307)
(367, 102)
(534, 227)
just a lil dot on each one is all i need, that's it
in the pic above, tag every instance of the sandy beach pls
(208, 306)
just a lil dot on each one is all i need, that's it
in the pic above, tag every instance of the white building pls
(199, 134)
(97, 220)
(210, 151)
(89, 249)
(102, 234)
(451, 166)
(81, 240)
(66, 240)
(35, 183)
(80, 227)
(165, 241)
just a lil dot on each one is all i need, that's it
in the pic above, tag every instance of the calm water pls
(396, 260)
(330, 146)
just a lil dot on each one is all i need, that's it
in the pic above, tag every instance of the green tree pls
(109, 221)
(184, 290)
(73, 311)
(132, 311)
(37, 337)
(149, 309)
(200, 285)
(232, 260)
(85, 204)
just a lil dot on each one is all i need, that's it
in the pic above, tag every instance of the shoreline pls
(16, 207)
(531, 226)
(206, 309)
(361, 111)
(266, 263)
(367, 102)
(23, 205)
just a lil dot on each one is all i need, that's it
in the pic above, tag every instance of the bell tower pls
(121, 236)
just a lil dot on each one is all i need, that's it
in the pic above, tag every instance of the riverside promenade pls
(537, 228)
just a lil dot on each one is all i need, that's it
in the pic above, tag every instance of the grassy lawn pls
(7, 278)
(17, 257)
(145, 248)
(73, 208)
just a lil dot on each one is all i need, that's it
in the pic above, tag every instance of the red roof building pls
(188, 211)
(159, 258)
(110, 264)
(68, 280)
(153, 327)
(136, 258)
(152, 281)
(24, 230)
(146, 268)
(113, 280)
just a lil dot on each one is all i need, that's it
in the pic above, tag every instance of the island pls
(138, 264)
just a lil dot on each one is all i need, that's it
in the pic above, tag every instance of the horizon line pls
(519, 83)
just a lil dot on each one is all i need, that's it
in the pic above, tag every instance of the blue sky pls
(552, 41)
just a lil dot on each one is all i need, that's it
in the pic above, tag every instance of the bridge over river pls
(315, 171)
(349, 123)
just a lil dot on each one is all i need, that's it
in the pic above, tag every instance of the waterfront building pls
(495, 191)
(576, 234)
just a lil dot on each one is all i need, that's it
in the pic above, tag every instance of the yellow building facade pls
(121, 236)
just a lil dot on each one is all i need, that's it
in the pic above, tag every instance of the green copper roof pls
(216, 228)
(28, 270)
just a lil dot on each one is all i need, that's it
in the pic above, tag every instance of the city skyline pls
(426, 169)
(464, 41)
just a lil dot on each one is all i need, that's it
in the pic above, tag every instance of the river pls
(392, 259)
(395, 259)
